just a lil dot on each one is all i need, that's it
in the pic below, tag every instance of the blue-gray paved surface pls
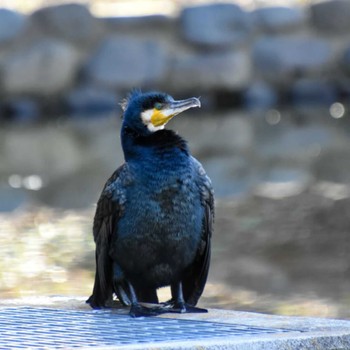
(44, 328)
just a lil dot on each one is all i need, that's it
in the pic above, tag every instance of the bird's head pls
(148, 112)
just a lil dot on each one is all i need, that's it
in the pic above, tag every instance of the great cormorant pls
(153, 222)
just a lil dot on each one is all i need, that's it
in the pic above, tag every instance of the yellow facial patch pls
(158, 118)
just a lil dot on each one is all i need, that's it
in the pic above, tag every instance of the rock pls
(312, 92)
(280, 58)
(215, 25)
(278, 18)
(145, 23)
(331, 16)
(72, 22)
(89, 100)
(127, 63)
(229, 70)
(12, 24)
(259, 95)
(45, 68)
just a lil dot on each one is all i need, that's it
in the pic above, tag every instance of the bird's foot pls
(181, 308)
(138, 310)
(195, 310)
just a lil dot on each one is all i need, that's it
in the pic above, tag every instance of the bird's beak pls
(171, 109)
(177, 107)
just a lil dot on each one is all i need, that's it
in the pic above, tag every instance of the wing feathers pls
(196, 276)
(109, 209)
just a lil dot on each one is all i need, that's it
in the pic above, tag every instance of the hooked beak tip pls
(197, 102)
(183, 105)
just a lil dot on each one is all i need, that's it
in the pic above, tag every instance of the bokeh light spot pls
(337, 110)
(273, 117)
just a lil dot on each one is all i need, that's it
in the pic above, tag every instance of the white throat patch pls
(146, 119)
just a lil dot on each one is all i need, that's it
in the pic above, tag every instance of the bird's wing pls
(109, 209)
(196, 277)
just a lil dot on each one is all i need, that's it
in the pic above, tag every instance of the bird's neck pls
(160, 144)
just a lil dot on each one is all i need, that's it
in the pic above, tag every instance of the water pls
(281, 233)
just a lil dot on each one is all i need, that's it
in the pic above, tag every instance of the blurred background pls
(272, 133)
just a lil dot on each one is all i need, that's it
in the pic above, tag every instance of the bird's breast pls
(162, 223)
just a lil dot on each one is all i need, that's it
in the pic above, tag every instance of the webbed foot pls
(181, 308)
(138, 310)
(194, 309)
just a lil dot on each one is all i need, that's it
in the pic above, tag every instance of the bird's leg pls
(137, 310)
(178, 302)
(178, 298)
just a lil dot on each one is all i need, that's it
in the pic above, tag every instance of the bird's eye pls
(158, 105)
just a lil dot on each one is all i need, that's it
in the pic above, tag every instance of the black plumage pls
(153, 222)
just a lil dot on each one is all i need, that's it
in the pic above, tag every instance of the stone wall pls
(62, 59)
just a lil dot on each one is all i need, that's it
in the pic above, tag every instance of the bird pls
(154, 219)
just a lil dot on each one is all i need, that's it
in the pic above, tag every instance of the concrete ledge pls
(61, 322)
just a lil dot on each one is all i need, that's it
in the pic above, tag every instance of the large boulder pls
(72, 22)
(331, 16)
(215, 25)
(44, 68)
(127, 62)
(226, 71)
(159, 23)
(12, 25)
(279, 58)
(90, 100)
(279, 18)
